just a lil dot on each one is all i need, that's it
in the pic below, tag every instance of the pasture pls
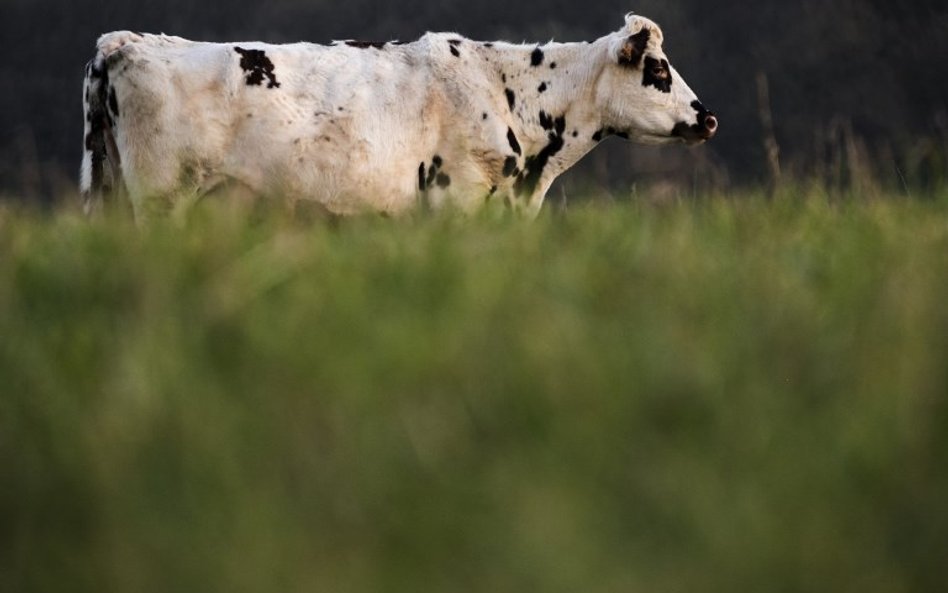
(726, 394)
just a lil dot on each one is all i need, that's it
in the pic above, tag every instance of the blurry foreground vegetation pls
(719, 395)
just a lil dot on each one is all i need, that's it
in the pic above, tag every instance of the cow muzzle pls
(705, 128)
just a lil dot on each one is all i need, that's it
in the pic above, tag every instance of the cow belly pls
(324, 164)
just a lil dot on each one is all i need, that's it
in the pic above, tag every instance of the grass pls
(723, 395)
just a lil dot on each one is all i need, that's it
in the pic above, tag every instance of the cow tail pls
(100, 172)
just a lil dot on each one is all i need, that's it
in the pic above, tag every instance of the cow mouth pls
(695, 133)
(705, 128)
(689, 135)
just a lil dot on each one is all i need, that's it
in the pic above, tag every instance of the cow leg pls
(152, 207)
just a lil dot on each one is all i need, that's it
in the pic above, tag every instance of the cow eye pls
(658, 71)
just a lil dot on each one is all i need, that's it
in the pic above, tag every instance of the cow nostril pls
(711, 123)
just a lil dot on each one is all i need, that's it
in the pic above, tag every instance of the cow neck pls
(554, 89)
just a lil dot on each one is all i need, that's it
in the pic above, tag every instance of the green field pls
(722, 395)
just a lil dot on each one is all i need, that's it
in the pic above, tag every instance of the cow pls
(356, 126)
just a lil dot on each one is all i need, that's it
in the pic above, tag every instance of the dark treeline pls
(858, 91)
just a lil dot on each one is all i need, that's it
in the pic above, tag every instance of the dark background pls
(857, 89)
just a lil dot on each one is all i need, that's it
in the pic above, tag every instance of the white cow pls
(358, 126)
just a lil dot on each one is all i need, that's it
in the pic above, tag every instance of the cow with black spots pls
(444, 121)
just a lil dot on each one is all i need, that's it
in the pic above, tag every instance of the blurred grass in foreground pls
(728, 395)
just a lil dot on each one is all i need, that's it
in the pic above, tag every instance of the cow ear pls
(632, 49)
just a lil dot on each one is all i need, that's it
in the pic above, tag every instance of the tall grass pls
(722, 395)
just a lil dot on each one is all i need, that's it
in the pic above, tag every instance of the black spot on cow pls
(113, 102)
(455, 52)
(484, 116)
(366, 44)
(610, 131)
(511, 98)
(536, 57)
(560, 125)
(434, 175)
(257, 66)
(529, 178)
(575, 133)
(512, 140)
(630, 55)
(510, 166)
(104, 100)
(454, 41)
(542, 87)
(657, 74)
(503, 78)
(700, 109)
(552, 65)
(488, 45)
(546, 121)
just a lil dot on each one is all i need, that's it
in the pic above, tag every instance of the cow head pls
(640, 95)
